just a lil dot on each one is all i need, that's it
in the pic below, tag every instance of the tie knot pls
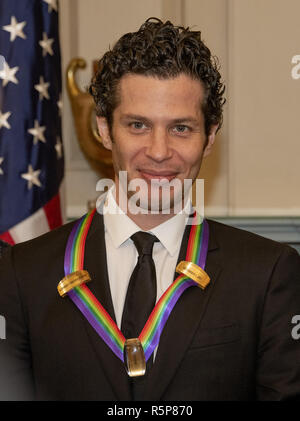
(144, 242)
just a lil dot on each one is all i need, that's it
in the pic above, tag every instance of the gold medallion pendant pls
(72, 280)
(134, 358)
(194, 272)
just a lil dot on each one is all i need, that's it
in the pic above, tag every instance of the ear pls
(104, 132)
(211, 140)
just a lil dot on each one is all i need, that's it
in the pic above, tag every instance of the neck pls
(149, 221)
(146, 221)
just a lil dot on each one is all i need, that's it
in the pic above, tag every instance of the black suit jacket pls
(3, 246)
(231, 341)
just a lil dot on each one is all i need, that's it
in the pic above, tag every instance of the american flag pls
(31, 151)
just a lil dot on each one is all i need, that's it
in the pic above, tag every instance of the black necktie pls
(141, 293)
(140, 301)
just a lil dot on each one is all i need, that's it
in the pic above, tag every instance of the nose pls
(159, 148)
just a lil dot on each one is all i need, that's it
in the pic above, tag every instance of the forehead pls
(148, 95)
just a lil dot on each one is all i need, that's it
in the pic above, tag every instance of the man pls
(159, 104)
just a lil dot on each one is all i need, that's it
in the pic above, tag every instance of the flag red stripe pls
(5, 236)
(52, 210)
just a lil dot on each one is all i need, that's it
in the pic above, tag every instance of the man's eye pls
(181, 129)
(137, 125)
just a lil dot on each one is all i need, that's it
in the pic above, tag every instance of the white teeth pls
(159, 181)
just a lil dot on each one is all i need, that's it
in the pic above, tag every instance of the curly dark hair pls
(160, 50)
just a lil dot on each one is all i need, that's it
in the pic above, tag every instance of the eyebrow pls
(174, 121)
(185, 120)
(134, 117)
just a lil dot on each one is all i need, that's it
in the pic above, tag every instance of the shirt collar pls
(120, 227)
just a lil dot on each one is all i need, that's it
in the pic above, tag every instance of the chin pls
(156, 203)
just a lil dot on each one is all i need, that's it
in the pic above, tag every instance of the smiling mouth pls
(157, 175)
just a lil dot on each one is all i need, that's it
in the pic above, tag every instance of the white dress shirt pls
(122, 254)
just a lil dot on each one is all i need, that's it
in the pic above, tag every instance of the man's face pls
(158, 130)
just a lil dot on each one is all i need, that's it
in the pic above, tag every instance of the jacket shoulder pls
(55, 238)
(237, 240)
(3, 247)
(49, 247)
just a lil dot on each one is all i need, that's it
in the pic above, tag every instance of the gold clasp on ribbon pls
(72, 280)
(134, 358)
(194, 272)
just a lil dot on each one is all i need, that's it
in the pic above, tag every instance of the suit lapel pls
(182, 324)
(95, 263)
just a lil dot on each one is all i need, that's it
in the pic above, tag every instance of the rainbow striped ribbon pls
(95, 312)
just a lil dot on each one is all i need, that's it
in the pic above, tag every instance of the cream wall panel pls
(264, 107)
(210, 17)
(102, 23)
(173, 10)
(80, 181)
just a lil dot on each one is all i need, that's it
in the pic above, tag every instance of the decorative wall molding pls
(284, 230)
